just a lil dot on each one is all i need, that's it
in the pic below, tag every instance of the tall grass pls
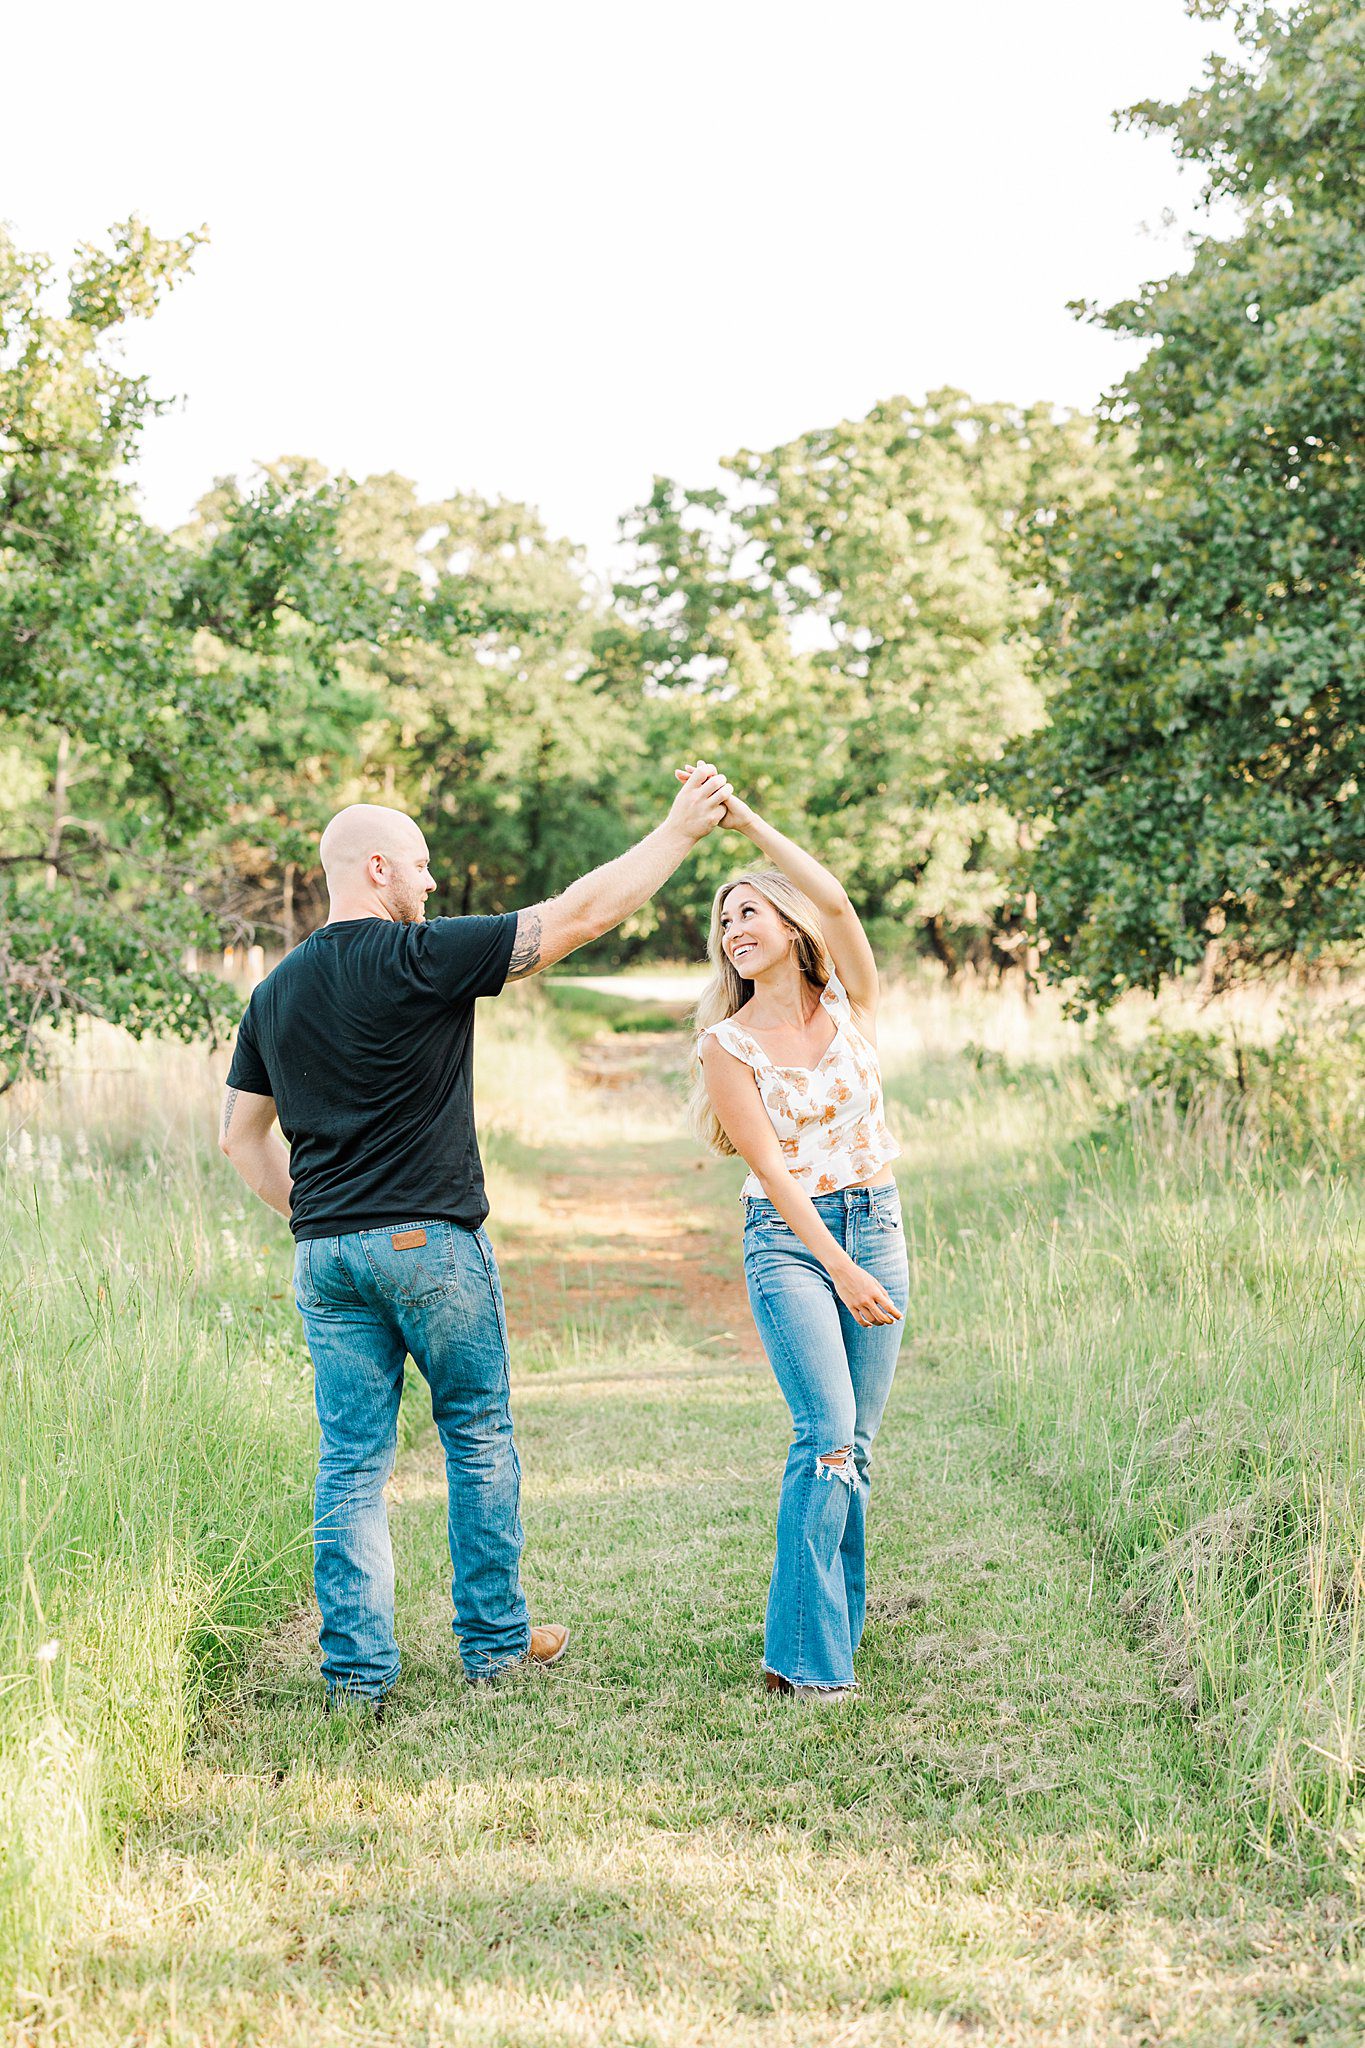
(1160, 1301)
(156, 1429)
(154, 1452)
(1183, 1366)
(1163, 1285)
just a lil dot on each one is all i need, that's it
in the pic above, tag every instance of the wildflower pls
(46, 1653)
(225, 1311)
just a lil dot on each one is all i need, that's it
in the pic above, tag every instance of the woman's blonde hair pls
(727, 990)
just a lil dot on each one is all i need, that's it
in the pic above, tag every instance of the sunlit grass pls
(153, 1451)
(156, 1431)
(1117, 1641)
(1170, 1324)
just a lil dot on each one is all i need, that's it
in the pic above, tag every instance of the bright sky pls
(548, 250)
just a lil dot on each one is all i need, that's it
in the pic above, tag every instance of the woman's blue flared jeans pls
(369, 1300)
(835, 1376)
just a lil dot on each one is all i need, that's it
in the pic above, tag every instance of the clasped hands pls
(707, 800)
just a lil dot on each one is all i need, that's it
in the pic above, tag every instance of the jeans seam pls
(806, 1480)
(495, 1295)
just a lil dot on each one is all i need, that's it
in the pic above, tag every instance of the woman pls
(790, 1080)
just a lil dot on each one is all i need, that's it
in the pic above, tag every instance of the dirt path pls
(631, 1227)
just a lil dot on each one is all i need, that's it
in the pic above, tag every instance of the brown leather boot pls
(547, 1645)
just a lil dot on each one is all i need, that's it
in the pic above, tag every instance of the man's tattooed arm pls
(526, 945)
(255, 1149)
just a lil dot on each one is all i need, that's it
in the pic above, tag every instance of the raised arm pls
(746, 1123)
(844, 934)
(247, 1135)
(598, 902)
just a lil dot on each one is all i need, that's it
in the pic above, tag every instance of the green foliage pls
(1298, 1097)
(136, 670)
(494, 734)
(867, 626)
(852, 632)
(1201, 773)
(68, 955)
(504, 746)
(1181, 1064)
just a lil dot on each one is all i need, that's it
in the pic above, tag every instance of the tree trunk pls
(1208, 973)
(287, 910)
(60, 786)
(937, 935)
(1029, 957)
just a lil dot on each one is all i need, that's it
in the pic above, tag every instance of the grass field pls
(1102, 1787)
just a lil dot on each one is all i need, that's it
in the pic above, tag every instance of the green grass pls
(1084, 1797)
(1169, 1325)
(582, 1012)
(1012, 1832)
(155, 1462)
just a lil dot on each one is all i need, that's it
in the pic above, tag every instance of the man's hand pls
(737, 817)
(700, 804)
(596, 903)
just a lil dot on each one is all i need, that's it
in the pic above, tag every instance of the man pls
(360, 1041)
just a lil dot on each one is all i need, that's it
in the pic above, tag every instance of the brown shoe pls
(548, 1643)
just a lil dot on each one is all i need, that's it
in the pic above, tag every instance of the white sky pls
(548, 250)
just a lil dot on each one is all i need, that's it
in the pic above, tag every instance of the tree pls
(504, 744)
(701, 665)
(1200, 777)
(130, 664)
(855, 626)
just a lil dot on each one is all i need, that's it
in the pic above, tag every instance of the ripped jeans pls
(835, 1376)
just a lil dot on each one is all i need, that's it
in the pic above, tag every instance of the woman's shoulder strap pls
(736, 1040)
(835, 996)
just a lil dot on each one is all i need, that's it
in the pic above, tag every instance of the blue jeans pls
(835, 1376)
(368, 1301)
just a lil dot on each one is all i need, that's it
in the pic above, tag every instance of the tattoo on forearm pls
(525, 946)
(228, 1108)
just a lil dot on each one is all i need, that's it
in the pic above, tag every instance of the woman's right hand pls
(866, 1300)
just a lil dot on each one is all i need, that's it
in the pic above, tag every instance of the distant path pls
(630, 1234)
(1008, 1841)
(681, 987)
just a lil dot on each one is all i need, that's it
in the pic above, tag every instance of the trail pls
(1009, 1840)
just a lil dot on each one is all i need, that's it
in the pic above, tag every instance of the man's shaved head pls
(362, 829)
(375, 860)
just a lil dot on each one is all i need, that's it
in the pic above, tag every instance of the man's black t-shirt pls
(364, 1037)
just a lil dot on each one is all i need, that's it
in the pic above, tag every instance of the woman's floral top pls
(828, 1118)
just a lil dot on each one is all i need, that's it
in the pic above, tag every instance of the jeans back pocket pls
(413, 1262)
